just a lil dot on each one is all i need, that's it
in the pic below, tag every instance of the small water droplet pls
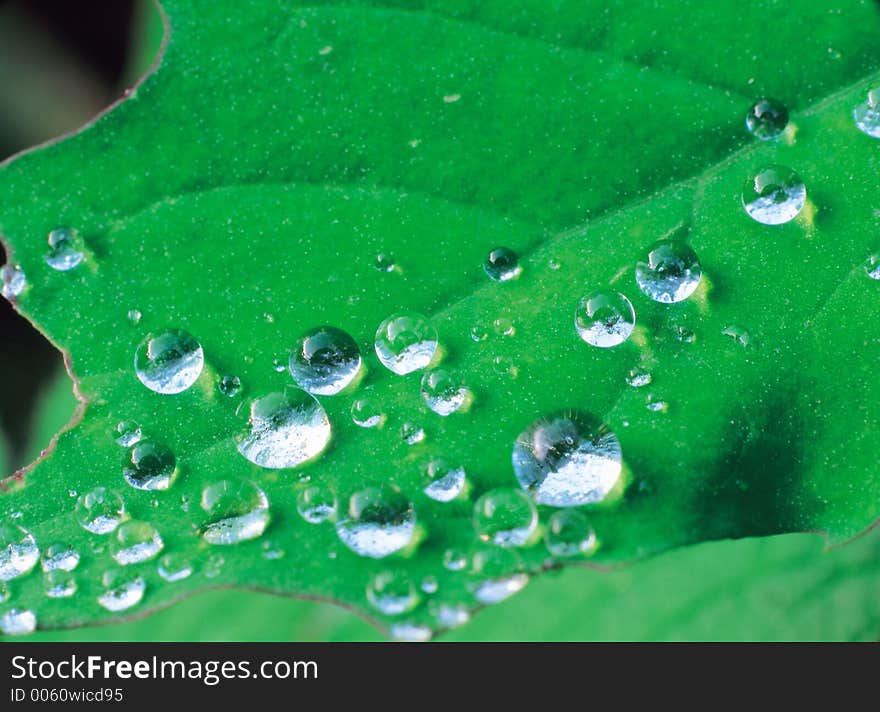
(604, 318)
(229, 386)
(284, 429)
(656, 405)
(479, 333)
(272, 551)
(378, 522)
(867, 114)
(429, 585)
(503, 327)
(500, 574)
(150, 465)
(135, 542)
(504, 366)
(451, 98)
(392, 593)
(738, 334)
(65, 249)
(385, 262)
(100, 510)
(238, 510)
(767, 119)
(60, 557)
(122, 590)
(505, 517)
(170, 362)
(279, 364)
(872, 267)
(774, 196)
(127, 433)
(567, 460)
(17, 621)
(671, 272)
(13, 281)
(406, 343)
(444, 482)
(445, 392)
(134, 316)
(325, 361)
(683, 334)
(59, 584)
(638, 378)
(410, 632)
(18, 551)
(570, 534)
(174, 567)
(367, 413)
(502, 265)
(454, 560)
(449, 615)
(316, 504)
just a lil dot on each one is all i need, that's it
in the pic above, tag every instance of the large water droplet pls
(445, 393)
(150, 466)
(99, 510)
(284, 429)
(174, 567)
(170, 362)
(316, 504)
(18, 551)
(59, 584)
(17, 621)
(444, 482)
(238, 510)
(392, 593)
(325, 361)
(505, 517)
(502, 265)
(767, 119)
(500, 575)
(12, 281)
(406, 343)
(379, 521)
(135, 542)
(567, 460)
(122, 590)
(604, 318)
(570, 534)
(65, 249)
(670, 274)
(774, 196)
(867, 114)
(60, 557)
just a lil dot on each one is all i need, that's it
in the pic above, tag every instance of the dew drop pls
(18, 551)
(134, 316)
(127, 433)
(272, 551)
(505, 517)
(284, 429)
(411, 632)
(378, 522)
(872, 267)
(656, 405)
(502, 265)
(767, 119)
(174, 567)
(638, 378)
(444, 482)
(412, 433)
(449, 615)
(604, 318)
(170, 362)
(100, 510)
(406, 343)
(479, 333)
(392, 593)
(867, 114)
(150, 466)
(569, 534)
(121, 590)
(366, 413)
(65, 249)
(445, 392)
(279, 364)
(683, 334)
(671, 272)
(738, 334)
(60, 557)
(505, 367)
(17, 621)
(237, 511)
(429, 585)
(316, 504)
(229, 386)
(500, 573)
(454, 560)
(135, 542)
(325, 361)
(385, 262)
(13, 281)
(774, 196)
(503, 327)
(59, 584)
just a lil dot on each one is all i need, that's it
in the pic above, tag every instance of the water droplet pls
(279, 364)
(406, 343)
(325, 361)
(567, 460)
(59, 584)
(385, 262)
(174, 567)
(570, 534)
(445, 392)
(379, 521)
(284, 429)
(454, 560)
(316, 504)
(229, 386)
(65, 249)
(683, 334)
(99, 511)
(367, 413)
(237, 510)
(604, 319)
(479, 333)
(135, 542)
(767, 119)
(150, 465)
(449, 615)
(444, 482)
(134, 317)
(17, 621)
(429, 585)
(505, 517)
(867, 114)
(774, 196)
(411, 632)
(638, 378)
(502, 265)
(656, 405)
(671, 273)
(18, 551)
(121, 590)
(170, 362)
(60, 557)
(412, 433)
(503, 327)
(127, 433)
(13, 281)
(272, 551)
(500, 573)
(504, 366)
(872, 266)
(392, 593)
(214, 565)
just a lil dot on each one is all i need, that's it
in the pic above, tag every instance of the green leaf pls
(244, 191)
